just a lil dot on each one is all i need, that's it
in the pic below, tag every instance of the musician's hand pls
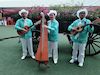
(45, 26)
(74, 29)
(25, 30)
(48, 31)
(91, 24)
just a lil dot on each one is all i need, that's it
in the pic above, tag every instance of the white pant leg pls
(30, 46)
(49, 49)
(24, 46)
(75, 51)
(81, 53)
(55, 50)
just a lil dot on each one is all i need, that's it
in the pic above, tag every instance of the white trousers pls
(53, 50)
(27, 44)
(81, 48)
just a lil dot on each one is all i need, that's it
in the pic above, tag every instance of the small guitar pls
(27, 28)
(78, 29)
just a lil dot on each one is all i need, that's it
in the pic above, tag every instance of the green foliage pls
(15, 16)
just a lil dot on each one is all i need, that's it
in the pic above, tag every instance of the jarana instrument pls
(78, 29)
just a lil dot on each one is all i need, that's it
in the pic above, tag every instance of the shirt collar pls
(24, 19)
(84, 19)
(53, 20)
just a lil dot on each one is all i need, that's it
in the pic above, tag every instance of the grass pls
(11, 64)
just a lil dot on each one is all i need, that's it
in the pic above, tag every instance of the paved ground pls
(11, 64)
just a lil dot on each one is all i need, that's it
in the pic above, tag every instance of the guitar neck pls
(35, 24)
(85, 25)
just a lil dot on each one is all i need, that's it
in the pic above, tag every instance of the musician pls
(80, 39)
(26, 39)
(53, 27)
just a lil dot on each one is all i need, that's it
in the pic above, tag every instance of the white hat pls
(82, 10)
(52, 12)
(23, 10)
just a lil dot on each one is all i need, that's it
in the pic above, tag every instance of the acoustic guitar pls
(78, 29)
(27, 28)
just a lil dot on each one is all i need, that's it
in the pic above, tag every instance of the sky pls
(46, 3)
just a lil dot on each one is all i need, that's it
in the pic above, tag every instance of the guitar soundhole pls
(78, 28)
